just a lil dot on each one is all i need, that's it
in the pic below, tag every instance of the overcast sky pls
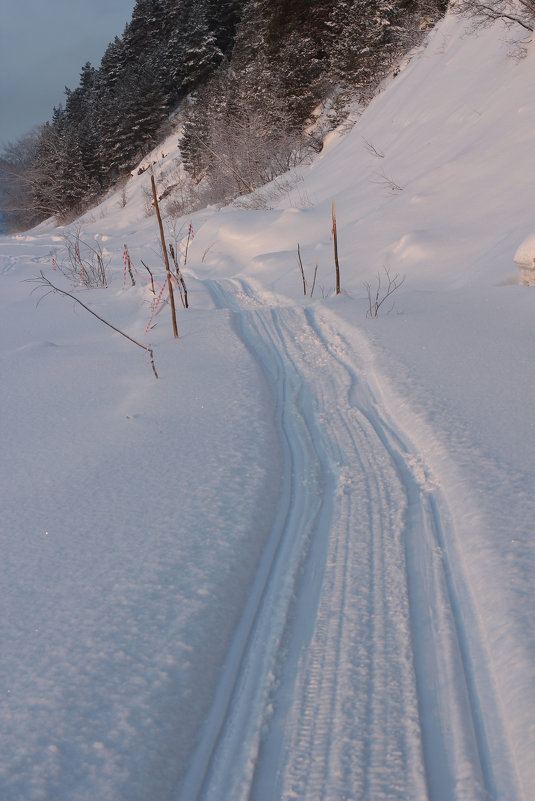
(43, 47)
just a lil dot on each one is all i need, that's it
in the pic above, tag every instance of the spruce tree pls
(194, 49)
(362, 42)
(223, 17)
(81, 123)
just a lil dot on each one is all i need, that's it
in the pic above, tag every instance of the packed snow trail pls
(350, 674)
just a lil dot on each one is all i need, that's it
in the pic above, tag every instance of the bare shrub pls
(384, 290)
(122, 185)
(388, 183)
(148, 203)
(84, 263)
(176, 231)
(235, 141)
(270, 195)
(183, 197)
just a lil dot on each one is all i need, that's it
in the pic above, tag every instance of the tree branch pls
(43, 281)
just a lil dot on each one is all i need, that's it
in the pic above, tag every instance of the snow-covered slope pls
(300, 565)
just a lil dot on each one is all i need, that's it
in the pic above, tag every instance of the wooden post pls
(166, 258)
(337, 266)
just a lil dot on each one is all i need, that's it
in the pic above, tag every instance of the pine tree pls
(252, 70)
(133, 103)
(192, 48)
(223, 17)
(144, 33)
(81, 123)
(112, 99)
(240, 133)
(363, 41)
(203, 112)
(61, 182)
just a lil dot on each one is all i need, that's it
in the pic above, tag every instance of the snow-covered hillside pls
(300, 564)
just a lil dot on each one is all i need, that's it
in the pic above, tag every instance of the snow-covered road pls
(353, 673)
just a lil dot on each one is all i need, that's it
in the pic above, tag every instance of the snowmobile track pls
(350, 675)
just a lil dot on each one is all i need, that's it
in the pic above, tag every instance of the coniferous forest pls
(246, 77)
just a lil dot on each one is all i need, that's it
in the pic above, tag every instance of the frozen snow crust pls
(300, 565)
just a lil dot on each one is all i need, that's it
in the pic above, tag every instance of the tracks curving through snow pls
(349, 675)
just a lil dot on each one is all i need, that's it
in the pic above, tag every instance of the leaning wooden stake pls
(300, 263)
(335, 239)
(314, 281)
(166, 258)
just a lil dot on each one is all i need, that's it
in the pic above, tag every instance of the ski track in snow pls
(350, 675)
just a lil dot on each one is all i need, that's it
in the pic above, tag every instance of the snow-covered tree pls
(252, 72)
(17, 184)
(81, 121)
(512, 12)
(223, 17)
(192, 49)
(61, 183)
(362, 41)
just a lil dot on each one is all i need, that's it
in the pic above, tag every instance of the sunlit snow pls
(300, 564)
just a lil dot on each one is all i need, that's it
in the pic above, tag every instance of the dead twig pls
(84, 263)
(389, 183)
(205, 254)
(151, 276)
(190, 237)
(44, 282)
(371, 149)
(179, 278)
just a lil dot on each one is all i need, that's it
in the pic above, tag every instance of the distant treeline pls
(249, 74)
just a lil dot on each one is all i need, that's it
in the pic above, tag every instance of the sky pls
(43, 47)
